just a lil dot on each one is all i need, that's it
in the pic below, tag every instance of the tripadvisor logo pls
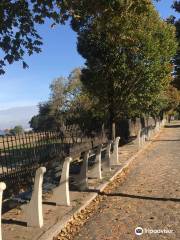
(139, 231)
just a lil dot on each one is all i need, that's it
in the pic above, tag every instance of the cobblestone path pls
(148, 198)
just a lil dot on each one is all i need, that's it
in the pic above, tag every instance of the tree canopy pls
(176, 22)
(17, 130)
(128, 52)
(127, 47)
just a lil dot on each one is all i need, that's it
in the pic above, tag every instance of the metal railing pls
(21, 155)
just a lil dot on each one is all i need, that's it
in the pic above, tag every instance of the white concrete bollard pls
(95, 172)
(83, 177)
(114, 159)
(2, 188)
(61, 194)
(144, 137)
(107, 163)
(155, 129)
(33, 210)
(148, 134)
(163, 122)
(158, 126)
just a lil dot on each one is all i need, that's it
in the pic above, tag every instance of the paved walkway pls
(149, 198)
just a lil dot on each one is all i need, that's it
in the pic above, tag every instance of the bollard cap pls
(117, 139)
(68, 159)
(2, 186)
(41, 170)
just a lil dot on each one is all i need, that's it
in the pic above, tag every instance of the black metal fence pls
(21, 155)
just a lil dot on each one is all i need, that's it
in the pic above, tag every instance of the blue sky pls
(28, 87)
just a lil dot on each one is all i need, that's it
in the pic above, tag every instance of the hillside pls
(17, 116)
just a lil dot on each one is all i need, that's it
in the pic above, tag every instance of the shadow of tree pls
(140, 197)
(172, 126)
(15, 222)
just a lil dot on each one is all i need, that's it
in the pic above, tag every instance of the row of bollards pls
(61, 195)
(145, 134)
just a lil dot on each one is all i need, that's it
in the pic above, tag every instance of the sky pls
(28, 87)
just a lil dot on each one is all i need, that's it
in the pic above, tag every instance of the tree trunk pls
(112, 125)
(113, 131)
(111, 96)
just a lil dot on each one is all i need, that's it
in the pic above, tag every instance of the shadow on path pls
(16, 222)
(167, 140)
(140, 197)
(172, 126)
(133, 196)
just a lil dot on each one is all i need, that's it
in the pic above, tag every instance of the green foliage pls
(68, 104)
(45, 120)
(127, 48)
(176, 22)
(128, 51)
(17, 130)
(18, 22)
(50, 115)
(176, 5)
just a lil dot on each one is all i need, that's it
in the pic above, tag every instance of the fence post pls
(83, 177)
(95, 172)
(33, 210)
(61, 194)
(107, 164)
(2, 188)
(115, 156)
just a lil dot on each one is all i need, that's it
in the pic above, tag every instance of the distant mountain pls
(17, 116)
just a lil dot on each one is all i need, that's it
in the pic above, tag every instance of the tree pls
(173, 98)
(17, 130)
(128, 50)
(176, 81)
(34, 123)
(69, 104)
(176, 5)
(44, 120)
(51, 112)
